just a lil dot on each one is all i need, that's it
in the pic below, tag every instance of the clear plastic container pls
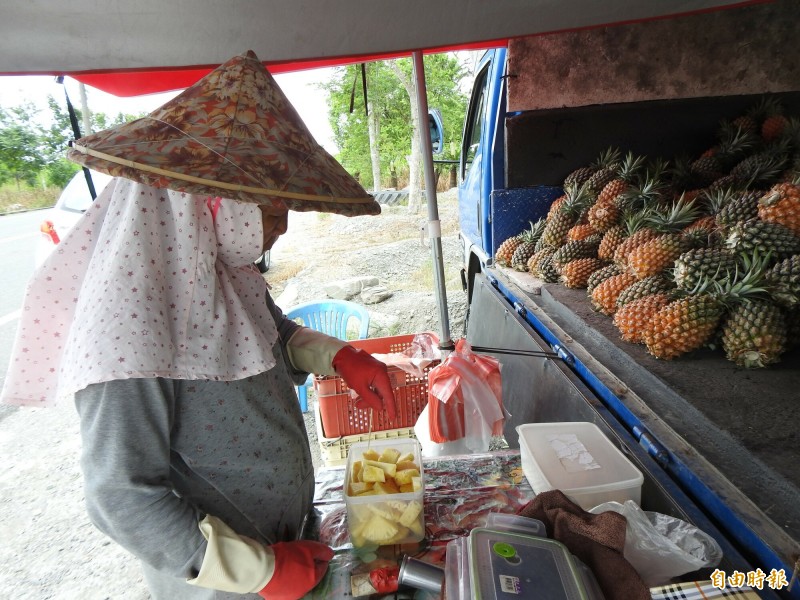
(378, 516)
(576, 458)
(505, 565)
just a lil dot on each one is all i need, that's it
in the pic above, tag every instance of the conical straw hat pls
(232, 134)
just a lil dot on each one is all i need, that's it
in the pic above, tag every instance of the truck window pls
(472, 131)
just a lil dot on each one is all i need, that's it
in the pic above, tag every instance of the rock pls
(345, 289)
(375, 294)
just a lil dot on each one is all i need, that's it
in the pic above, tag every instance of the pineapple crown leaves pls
(734, 142)
(607, 158)
(631, 167)
(714, 200)
(746, 281)
(675, 217)
(648, 194)
(578, 198)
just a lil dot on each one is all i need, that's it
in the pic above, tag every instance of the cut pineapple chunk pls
(373, 473)
(389, 468)
(356, 471)
(401, 535)
(405, 476)
(387, 487)
(416, 483)
(359, 487)
(408, 457)
(390, 455)
(417, 527)
(410, 513)
(370, 454)
(406, 488)
(403, 465)
(383, 509)
(378, 529)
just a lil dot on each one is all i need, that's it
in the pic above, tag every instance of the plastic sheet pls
(661, 547)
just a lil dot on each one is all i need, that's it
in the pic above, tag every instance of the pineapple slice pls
(390, 455)
(370, 454)
(403, 465)
(409, 457)
(410, 514)
(416, 483)
(356, 471)
(389, 468)
(417, 527)
(379, 530)
(359, 487)
(405, 476)
(383, 509)
(387, 487)
(405, 488)
(373, 473)
(402, 534)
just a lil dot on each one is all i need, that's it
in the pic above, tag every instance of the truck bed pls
(743, 422)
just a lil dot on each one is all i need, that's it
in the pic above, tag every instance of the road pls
(19, 236)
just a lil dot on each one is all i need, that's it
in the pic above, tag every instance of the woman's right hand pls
(299, 567)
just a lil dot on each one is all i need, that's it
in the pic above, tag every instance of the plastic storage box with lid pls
(578, 459)
(378, 518)
(510, 565)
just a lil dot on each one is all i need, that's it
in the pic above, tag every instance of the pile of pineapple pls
(692, 252)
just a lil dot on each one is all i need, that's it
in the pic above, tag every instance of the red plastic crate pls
(337, 410)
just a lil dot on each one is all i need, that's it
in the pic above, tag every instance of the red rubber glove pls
(299, 567)
(368, 377)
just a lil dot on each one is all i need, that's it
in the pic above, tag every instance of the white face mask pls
(239, 231)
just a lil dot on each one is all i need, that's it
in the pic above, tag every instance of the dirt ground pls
(49, 548)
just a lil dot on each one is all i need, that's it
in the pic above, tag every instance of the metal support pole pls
(434, 225)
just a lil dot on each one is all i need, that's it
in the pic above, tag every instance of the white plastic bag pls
(661, 547)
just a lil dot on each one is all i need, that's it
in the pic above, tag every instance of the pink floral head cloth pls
(232, 134)
(149, 283)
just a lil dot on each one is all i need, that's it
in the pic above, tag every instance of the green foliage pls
(388, 97)
(59, 172)
(21, 144)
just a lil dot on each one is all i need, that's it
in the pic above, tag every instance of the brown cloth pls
(597, 540)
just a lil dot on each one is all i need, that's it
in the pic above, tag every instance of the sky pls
(299, 87)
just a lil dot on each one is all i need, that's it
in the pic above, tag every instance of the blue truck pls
(717, 444)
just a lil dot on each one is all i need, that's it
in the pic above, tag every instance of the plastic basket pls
(333, 451)
(338, 413)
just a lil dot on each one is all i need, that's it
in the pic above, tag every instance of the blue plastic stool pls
(331, 317)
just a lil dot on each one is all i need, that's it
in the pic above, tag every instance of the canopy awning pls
(147, 46)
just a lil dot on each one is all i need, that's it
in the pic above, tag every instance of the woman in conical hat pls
(153, 317)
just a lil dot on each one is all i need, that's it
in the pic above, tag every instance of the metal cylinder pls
(421, 575)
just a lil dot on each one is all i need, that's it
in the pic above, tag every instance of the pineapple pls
(689, 322)
(627, 172)
(557, 227)
(768, 238)
(774, 122)
(740, 206)
(379, 529)
(683, 325)
(754, 334)
(634, 318)
(547, 271)
(600, 276)
(581, 231)
(576, 273)
(505, 252)
(762, 168)
(556, 205)
(734, 143)
(525, 250)
(702, 263)
(538, 257)
(606, 167)
(783, 280)
(630, 243)
(655, 284)
(579, 249)
(579, 176)
(656, 254)
(782, 205)
(604, 296)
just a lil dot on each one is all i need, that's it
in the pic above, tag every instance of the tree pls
(390, 94)
(21, 144)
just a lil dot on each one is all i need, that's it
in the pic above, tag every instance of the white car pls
(72, 203)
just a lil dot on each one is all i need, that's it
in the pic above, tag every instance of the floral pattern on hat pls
(237, 133)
